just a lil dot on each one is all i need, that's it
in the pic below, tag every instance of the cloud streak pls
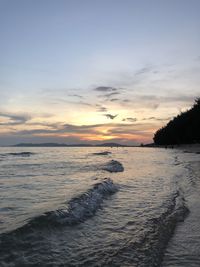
(101, 108)
(9, 119)
(76, 95)
(105, 89)
(129, 119)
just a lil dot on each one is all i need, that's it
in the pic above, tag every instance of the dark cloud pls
(69, 133)
(108, 92)
(129, 131)
(82, 129)
(101, 108)
(126, 100)
(111, 94)
(13, 119)
(110, 116)
(114, 99)
(143, 70)
(130, 119)
(149, 118)
(76, 95)
(156, 119)
(105, 89)
(79, 128)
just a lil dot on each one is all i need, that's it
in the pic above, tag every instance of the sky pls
(95, 71)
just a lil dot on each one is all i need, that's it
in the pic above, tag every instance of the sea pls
(95, 206)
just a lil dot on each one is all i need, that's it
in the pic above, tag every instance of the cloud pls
(130, 119)
(114, 99)
(60, 101)
(143, 70)
(111, 94)
(101, 108)
(82, 103)
(82, 129)
(153, 102)
(108, 92)
(173, 98)
(105, 89)
(12, 119)
(156, 119)
(48, 125)
(76, 95)
(70, 133)
(110, 116)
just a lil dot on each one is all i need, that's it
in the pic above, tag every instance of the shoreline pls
(189, 148)
(183, 248)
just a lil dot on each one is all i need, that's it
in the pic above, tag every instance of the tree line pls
(183, 129)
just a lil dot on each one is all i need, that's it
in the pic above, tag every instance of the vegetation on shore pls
(183, 129)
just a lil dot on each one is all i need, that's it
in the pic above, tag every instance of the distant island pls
(183, 129)
(69, 145)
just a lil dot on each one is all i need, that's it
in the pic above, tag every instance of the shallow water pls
(184, 247)
(62, 207)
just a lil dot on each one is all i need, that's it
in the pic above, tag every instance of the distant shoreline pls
(189, 147)
(68, 145)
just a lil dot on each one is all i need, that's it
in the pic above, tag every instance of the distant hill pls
(67, 145)
(148, 145)
(50, 145)
(183, 129)
(111, 145)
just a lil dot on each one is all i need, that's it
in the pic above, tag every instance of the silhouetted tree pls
(183, 129)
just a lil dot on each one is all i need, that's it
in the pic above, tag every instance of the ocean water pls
(81, 207)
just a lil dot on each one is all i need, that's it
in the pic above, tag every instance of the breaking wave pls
(113, 166)
(104, 153)
(18, 154)
(78, 208)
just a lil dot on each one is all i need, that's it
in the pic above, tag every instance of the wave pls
(36, 233)
(193, 152)
(149, 249)
(78, 208)
(162, 228)
(113, 166)
(20, 154)
(104, 153)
